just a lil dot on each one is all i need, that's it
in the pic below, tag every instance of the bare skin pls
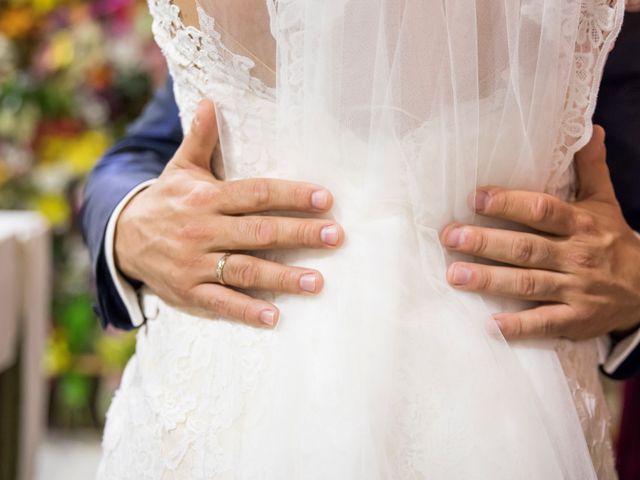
(172, 234)
(582, 264)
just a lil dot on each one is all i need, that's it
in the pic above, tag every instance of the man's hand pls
(172, 234)
(583, 265)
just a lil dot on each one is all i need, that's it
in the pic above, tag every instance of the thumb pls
(197, 146)
(594, 181)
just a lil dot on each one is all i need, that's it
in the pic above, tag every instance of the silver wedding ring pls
(220, 267)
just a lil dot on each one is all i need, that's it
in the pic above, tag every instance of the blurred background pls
(73, 74)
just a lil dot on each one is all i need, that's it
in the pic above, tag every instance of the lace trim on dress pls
(599, 24)
(203, 67)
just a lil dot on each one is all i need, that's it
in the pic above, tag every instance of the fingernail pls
(197, 116)
(329, 235)
(480, 201)
(268, 317)
(308, 282)
(460, 275)
(320, 199)
(498, 324)
(455, 237)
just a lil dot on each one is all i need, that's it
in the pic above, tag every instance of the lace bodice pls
(186, 348)
(201, 65)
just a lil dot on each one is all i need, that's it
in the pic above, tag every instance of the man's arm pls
(618, 111)
(172, 234)
(137, 158)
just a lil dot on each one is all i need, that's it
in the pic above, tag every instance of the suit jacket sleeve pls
(618, 111)
(140, 156)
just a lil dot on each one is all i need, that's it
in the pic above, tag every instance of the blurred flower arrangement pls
(73, 74)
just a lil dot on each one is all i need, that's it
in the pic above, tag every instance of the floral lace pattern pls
(202, 67)
(598, 26)
(188, 382)
(191, 378)
(599, 23)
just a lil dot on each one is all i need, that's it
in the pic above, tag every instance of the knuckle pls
(584, 313)
(247, 275)
(264, 232)
(498, 201)
(478, 241)
(218, 304)
(190, 262)
(582, 258)
(542, 208)
(181, 290)
(201, 194)
(574, 286)
(284, 280)
(525, 284)
(193, 231)
(585, 223)
(484, 280)
(515, 327)
(261, 193)
(607, 240)
(245, 313)
(305, 233)
(522, 249)
(545, 325)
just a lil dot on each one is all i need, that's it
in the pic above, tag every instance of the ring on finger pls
(220, 268)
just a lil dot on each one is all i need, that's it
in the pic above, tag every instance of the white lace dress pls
(194, 387)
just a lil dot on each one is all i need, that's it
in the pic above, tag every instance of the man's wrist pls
(118, 254)
(125, 288)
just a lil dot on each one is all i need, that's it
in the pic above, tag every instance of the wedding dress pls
(401, 108)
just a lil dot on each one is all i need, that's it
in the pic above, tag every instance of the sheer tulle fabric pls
(401, 108)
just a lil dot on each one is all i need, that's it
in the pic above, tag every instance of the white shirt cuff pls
(127, 293)
(621, 351)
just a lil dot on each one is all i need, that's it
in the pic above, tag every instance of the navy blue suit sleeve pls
(139, 156)
(618, 111)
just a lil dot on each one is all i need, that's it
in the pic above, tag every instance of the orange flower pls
(17, 22)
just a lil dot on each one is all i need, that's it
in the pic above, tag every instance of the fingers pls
(521, 283)
(225, 302)
(260, 233)
(537, 210)
(247, 272)
(198, 145)
(506, 246)
(261, 195)
(543, 321)
(594, 181)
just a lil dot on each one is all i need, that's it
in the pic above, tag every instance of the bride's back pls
(400, 108)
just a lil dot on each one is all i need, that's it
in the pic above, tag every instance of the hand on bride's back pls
(172, 235)
(580, 262)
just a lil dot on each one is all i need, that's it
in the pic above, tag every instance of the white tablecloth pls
(25, 292)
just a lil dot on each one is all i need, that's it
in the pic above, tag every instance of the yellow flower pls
(57, 358)
(43, 6)
(54, 207)
(85, 150)
(62, 50)
(115, 350)
(78, 153)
